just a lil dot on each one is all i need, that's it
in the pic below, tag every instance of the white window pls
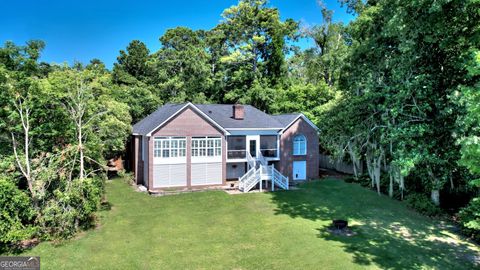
(206, 146)
(169, 147)
(299, 145)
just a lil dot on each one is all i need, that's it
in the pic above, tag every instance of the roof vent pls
(238, 112)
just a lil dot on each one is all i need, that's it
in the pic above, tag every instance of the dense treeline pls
(409, 88)
(58, 124)
(395, 92)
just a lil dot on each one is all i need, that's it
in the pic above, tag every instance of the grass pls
(280, 230)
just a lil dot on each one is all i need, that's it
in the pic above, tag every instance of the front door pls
(300, 170)
(252, 147)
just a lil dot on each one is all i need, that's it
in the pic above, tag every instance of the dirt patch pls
(342, 232)
(27, 244)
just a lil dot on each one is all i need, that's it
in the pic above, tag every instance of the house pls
(203, 145)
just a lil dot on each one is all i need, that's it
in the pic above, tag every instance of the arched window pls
(299, 145)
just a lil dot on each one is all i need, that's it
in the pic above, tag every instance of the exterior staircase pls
(259, 171)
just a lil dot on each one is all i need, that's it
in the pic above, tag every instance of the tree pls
(255, 37)
(182, 66)
(405, 63)
(325, 61)
(468, 96)
(132, 62)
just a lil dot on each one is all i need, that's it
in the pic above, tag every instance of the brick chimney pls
(238, 112)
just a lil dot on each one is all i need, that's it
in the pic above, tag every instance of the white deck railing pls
(255, 176)
(279, 179)
(249, 180)
(251, 161)
(262, 159)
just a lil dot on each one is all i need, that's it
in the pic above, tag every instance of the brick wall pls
(285, 166)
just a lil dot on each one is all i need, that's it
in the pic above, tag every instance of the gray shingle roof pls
(285, 119)
(253, 118)
(150, 122)
(221, 114)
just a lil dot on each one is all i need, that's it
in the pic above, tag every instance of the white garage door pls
(169, 175)
(299, 170)
(207, 173)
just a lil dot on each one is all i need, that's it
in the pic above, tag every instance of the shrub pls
(127, 177)
(365, 181)
(421, 203)
(71, 209)
(349, 179)
(469, 218)
(16, 214)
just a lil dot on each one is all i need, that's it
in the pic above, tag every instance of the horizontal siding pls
(214, 173)
(199, 174)
(207, 173)
(169, 175)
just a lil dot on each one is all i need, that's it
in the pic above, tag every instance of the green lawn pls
(280, 230)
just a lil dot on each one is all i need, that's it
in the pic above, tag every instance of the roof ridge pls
(285, 114)
(220, 114)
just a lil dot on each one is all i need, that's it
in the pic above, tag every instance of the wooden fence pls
(326, 162)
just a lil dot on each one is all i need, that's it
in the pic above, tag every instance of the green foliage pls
(16, 214)
(132, 62)
(469, 124)
(257, 38)
(242, 59)
(109, 117)
(388, 235)
(324, 62)
(182, 65)
(396, 89)
(362, 180)
(307, 98)
(128, 177)
(469, 218)
(70, 208)
(422, 204)
(42, 107)
(349, 179)
(404, 64)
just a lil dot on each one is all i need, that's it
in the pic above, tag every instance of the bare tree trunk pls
(370, 166)
(374, 165)
(355, 160)
(80, 149)
(390, 186)
(77, 106)
(24, 113)
(396, 177)
(435, 196)
(435, 192)
(377, 171)
(402, 185)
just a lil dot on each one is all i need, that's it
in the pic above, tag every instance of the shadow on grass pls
(387, 234)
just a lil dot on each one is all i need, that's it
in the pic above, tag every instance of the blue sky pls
(82, 30)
